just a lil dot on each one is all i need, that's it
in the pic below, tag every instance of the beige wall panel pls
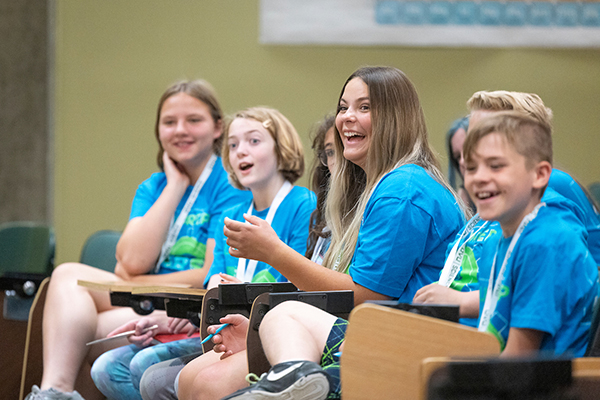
(114, 58)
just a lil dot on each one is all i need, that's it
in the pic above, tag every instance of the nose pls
(480, 174)
(180, 127)
(241, 149)
(348, 115)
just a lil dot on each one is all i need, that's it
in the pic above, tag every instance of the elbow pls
(132, 265)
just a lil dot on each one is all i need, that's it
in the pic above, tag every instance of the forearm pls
(469, 304)
(522, 342)
(192, 277)
(143, 237)
(310, 276)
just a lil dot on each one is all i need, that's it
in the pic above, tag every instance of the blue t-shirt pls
(407, 225)
(466, 279)
(550, 283)
(216, 195)
(565, 185)
(290, 222)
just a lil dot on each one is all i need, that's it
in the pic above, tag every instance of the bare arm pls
(522, 342)
(143, 237)
(194, 277)
(434, 293)
(246, 240)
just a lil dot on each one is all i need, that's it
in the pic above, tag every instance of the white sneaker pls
(52, 394)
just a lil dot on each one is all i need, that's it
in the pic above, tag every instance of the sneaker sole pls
(311, 387)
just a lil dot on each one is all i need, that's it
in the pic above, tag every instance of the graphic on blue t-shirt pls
(189, 249)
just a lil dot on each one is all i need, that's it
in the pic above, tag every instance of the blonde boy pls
(538, 289)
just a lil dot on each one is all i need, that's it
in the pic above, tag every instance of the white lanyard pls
(245, 273)
(493, 291)
(175, 227)
(457, 253)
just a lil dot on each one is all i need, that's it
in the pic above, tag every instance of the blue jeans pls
(117, 373)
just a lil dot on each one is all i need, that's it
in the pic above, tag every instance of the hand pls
(253, 240)
(225, 279)
(175, 173)
(232, 339)
(139, 338)
(437, 294)
(178, 325)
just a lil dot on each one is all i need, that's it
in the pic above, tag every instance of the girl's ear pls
(542, 174)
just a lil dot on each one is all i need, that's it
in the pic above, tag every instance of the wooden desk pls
(135, 295)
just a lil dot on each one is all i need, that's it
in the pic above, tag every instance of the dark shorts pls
(329, 361)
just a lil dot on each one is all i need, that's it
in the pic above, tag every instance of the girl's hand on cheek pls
(175, 174)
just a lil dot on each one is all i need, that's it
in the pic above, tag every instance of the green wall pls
(114, 58)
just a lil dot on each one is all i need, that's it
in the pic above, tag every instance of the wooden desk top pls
(169, 291)
(132, 287)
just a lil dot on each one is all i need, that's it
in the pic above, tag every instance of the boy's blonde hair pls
(528, 136)
(502, 100)
(288, 147)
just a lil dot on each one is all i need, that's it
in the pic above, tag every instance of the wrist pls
(174, 192)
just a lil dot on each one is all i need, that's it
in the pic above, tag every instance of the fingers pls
(226, 354)
(166, 159)
(182, 324)
(191, 330)
(129, 326)
(141, 341)
(232, 226)
(234, 319)
(234, 252)
(253, 219)
(228, 278)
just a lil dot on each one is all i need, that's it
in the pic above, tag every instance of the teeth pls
(245, 166)
(485, 195)
(351, 134)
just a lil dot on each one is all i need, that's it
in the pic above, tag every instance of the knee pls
(140, 363)
(104, 368)
(98, 368)
(184, 383)
(199, 384)
(287, 309)
(66, 271)
(157, 384)
(202, 384)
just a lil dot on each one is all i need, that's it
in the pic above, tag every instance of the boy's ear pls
(542, 170)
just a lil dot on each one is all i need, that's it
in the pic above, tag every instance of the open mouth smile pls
(484, 195)
(353, 136)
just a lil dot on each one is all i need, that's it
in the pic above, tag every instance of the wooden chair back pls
(384, 348)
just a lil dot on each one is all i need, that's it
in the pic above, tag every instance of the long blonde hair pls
(399, 137)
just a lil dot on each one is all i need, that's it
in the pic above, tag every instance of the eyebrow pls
(358, 100)
(246, 133)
